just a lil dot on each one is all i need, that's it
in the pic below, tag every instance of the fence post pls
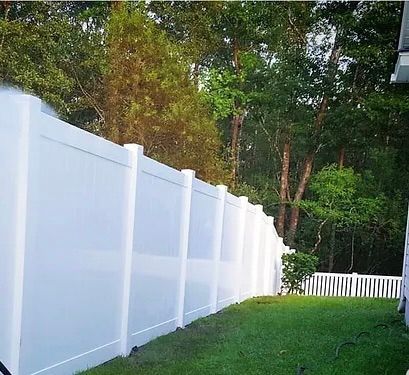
(240, 245)
(184, 243)
(29, 106)
(405, 259)
(136, 152)
(256, 247)
(217, 245)
(354, 279)
(276, 265)
(280, 247)
(269, 269)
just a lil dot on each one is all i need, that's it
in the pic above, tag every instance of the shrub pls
(296, 268)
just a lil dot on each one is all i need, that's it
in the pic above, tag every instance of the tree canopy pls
(289, 103)
(150, 99)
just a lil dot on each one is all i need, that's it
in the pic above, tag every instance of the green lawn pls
(274, 335)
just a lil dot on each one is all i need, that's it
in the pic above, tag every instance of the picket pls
(352, 285)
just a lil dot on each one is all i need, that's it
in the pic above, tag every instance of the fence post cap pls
(134, 147)
(188, 172)
(222, 189)
(33, 100)
(243, 200)
(35, 104)
(270, 220)
(259, 207)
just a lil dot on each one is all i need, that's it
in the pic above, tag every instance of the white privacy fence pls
(103, 248)
(352, 285)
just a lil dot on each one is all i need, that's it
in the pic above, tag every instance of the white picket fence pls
(103, 249)
(352, 285)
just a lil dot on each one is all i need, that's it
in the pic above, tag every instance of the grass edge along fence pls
(352, 285)
(104, 249)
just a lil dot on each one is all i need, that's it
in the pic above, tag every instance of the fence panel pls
(74, 241)
(104, 249)
(246, 279)
(352, 285)
(200, 255)
(228, 258)
(156, 258)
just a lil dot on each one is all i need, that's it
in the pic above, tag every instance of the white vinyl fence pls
(352, 285)
(103, 249)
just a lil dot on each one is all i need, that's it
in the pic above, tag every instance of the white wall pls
(404, 295)
(104, 249)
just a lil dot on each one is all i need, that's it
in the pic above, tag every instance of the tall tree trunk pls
(236, 124)
(285, 169)
(309, 159)
(295, 210)
(341, 157)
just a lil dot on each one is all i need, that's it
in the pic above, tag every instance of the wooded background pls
(287, 102)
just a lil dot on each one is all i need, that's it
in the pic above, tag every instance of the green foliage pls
(338, 198)
(171, 80)
(55, 50)
(223, 93)
(297, 267)
(259, 192)
(151, 101)
(244, 189)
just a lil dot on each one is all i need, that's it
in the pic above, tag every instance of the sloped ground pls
(278, 335)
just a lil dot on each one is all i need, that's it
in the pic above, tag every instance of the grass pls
(274, 335)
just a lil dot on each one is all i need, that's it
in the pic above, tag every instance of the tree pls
(150, 99)
(234, 36)
(55, 50)
(339, 201)
(293, 87)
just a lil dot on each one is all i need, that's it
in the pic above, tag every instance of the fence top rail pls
(381, 277)
(162, 171)
(56, 130)
(361, 276)
(233, 200)
(251, 208)
(205, 188)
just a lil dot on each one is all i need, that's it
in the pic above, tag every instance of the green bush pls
(296, 268)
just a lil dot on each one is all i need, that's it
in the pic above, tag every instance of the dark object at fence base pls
(3, 369)
(361, 334)
(134, 350)
(301, 369)
(381, 325)
(341, 345)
